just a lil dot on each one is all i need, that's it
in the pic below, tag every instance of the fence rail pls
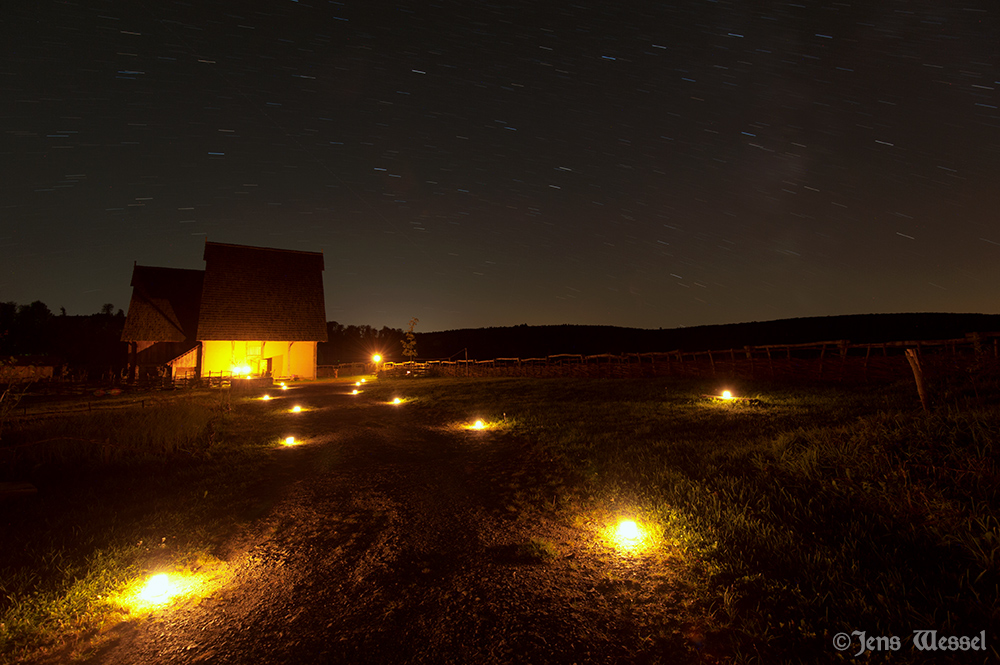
(343, 369)
(188, 377)
(837, 360)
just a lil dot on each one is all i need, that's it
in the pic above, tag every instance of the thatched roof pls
(164, 305)
(259, 293)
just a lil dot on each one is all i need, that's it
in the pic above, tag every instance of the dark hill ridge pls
(538, 341)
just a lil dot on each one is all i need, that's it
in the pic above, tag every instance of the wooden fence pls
(343, 369)
(837, 360)
(189, 377)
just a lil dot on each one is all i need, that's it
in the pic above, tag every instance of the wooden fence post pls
(918, 375)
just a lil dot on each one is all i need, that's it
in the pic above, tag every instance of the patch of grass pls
(537, 550)
(101, 521)
(812, 510)
(136, 432)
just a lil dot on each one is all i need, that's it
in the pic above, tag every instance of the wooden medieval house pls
(253, 311)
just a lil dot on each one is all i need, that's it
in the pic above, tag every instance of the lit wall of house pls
(303, 359)
(185, 366)
(240, 357)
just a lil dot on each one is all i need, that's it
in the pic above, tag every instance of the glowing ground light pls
(290, 441)
(377, 358)
(628, 536)
(355, 391)
(296, 409)
(266, 397)
(162, 589)
(157, 590)
(396, 400)
(628, 531)
(479, 424)
(726, 394)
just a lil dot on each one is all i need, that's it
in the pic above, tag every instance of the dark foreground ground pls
(385, 539)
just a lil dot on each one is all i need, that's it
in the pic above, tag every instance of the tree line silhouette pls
(526, 341)
(351, 344)
(91, 342)
(86, 342)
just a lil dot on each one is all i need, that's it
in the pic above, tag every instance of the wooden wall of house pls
(151, 354)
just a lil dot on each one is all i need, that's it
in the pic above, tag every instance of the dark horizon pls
(93, 340)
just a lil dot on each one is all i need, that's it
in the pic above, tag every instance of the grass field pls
(121, 490)
(815, 511)
(810, 510)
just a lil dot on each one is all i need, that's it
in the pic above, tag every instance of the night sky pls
(645, 164)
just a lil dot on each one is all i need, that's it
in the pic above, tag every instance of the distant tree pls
(8, 321)
(355, 343)
(410, 342)
(91, 342)
(14, 385)
(387, 339)
(29, 330)
(108, 309)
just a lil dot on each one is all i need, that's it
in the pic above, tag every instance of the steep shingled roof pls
(259, 293)
(164, 305)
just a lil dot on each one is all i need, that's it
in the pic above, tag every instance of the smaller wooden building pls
(253, 311)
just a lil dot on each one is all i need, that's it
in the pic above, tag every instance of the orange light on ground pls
(396, 400)
(627, 536)
(157, 589)
(296, 409)
(162, 589)
(289, 441)
(628, 531)
(483, 425)
(726, 394)
(355, 391)
(266, 397)
(480, 425)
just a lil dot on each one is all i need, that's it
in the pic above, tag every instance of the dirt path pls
(384, 540)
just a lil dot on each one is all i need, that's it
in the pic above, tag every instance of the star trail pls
(485, 164)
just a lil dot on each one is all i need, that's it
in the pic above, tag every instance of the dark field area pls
(397, 533)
